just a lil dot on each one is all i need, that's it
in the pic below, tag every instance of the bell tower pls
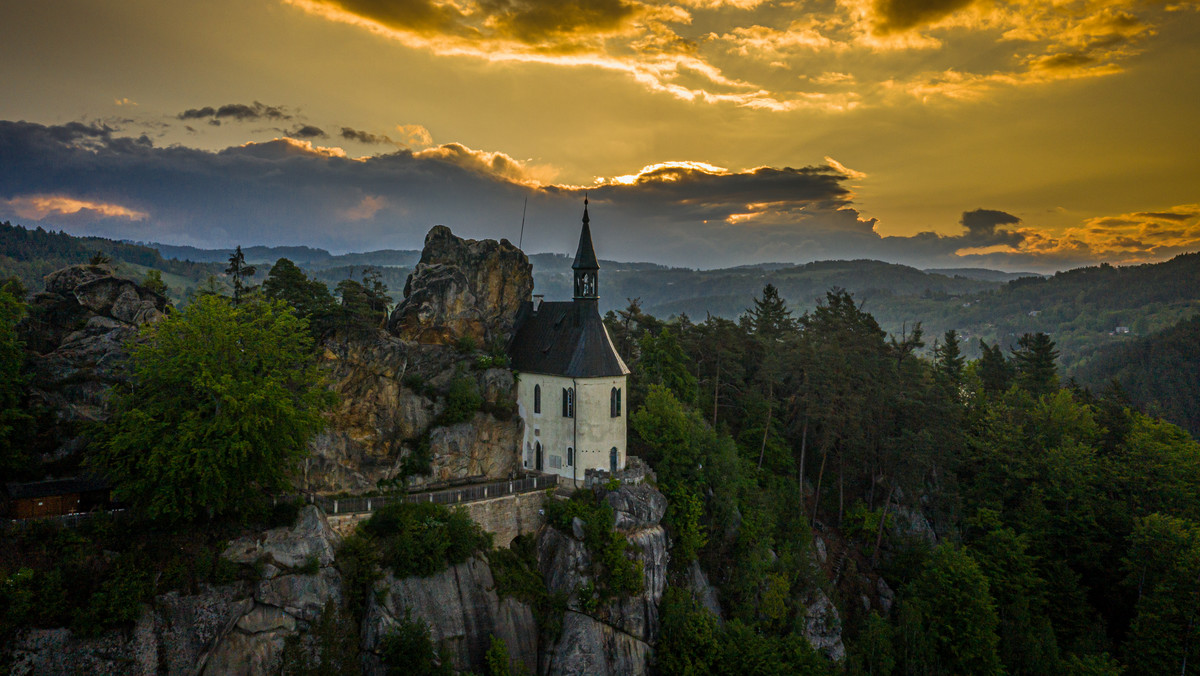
(586, 267)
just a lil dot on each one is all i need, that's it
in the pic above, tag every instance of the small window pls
(568, 402)
(555, 462)
(614, 404)
(570, 457)
(537, 398)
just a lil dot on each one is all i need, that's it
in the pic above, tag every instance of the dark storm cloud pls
(287, 191)
(360, 136)
(308, 131)
(899, 15)
(236, 111)
(983, 222)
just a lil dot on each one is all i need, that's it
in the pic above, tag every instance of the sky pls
(1020, 135)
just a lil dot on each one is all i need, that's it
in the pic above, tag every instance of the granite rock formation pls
(463, 288)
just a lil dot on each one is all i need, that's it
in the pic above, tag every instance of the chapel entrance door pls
(612, 460)
(538, 458)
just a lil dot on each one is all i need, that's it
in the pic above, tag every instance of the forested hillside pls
(1160, 373)
(1024, 527)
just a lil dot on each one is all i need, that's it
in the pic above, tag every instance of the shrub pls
(423, 538)
(409, 651)
(615, 572)
(462, 401)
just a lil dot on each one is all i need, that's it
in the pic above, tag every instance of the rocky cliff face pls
(615, 638)
(391, 395)
(232, 629)
(463, 288)
(463, 612)
(76, 335)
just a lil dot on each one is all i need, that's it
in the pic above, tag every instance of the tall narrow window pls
(570, 457)
(614, 404)
(537, 398)
(568, 402)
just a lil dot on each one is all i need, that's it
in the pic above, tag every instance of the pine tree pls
(770, 318)
(995, 372)
(1035, 361)
(238, 271)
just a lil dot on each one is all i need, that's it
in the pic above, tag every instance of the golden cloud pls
(38, 207)
(1137, 237)
(491, 163)
(669, 46)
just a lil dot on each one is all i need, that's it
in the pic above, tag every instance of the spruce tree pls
(1035, 361)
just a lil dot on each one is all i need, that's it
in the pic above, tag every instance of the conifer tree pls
(238, 271)
(1035, 361)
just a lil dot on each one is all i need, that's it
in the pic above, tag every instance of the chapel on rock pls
(571, 381)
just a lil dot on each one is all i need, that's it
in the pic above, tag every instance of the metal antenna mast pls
(521, 239)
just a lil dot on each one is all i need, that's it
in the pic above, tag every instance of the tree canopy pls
(221, 403)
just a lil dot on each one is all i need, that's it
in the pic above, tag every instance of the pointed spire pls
(585, 255)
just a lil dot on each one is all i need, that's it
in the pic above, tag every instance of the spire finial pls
(585, 205)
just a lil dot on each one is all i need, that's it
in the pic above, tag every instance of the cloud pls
(89, 179)
(899, 15)
(236, 111)
(38, 207)
(124, 101)
(368, 138)
(307, 131)
(414, 135)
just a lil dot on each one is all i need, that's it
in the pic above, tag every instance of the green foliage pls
(688, 640)
(948, 618)
(617, 575)
(463, 400)
(13, 417)
(154, 282)
(222, 403)
(497, 662)
(239, 272)
(309, 298)
(358, 561)
(423, 538)
(684, 518)
(364, 303)
(1163, 568)
(664, 363)
(330, 648)
(409, 651)
(1035, 360)
(515, 572)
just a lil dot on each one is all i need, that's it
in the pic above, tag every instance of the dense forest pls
(1068, 523)
(1160, 373)
(966, 516)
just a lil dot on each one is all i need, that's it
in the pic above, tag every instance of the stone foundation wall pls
(505, 517)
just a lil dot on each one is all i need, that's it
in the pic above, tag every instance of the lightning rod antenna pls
(521, 239)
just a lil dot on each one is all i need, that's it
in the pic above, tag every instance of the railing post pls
(335, 506)
(368, 504)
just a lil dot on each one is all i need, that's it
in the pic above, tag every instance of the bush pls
(462, 401)
(615, 572)
(409, 651)
(423, 538)
(358, 560)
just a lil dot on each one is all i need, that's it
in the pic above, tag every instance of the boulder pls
(702, 590)
(310, 539)
(636, 506)
(463, 288)
(823, 625)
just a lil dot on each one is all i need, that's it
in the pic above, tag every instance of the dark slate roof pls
(565, 339)
(585, 255)
(42, 489)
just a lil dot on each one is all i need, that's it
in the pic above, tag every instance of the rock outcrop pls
(76, 334)
(615, 638)
(462, 610)
(463, 288)
(391, 395)
(231, 629)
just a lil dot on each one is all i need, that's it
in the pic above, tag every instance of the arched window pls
(537, 398)
(570, 456)
(614, 404)
(612, 460)
(568, 402)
